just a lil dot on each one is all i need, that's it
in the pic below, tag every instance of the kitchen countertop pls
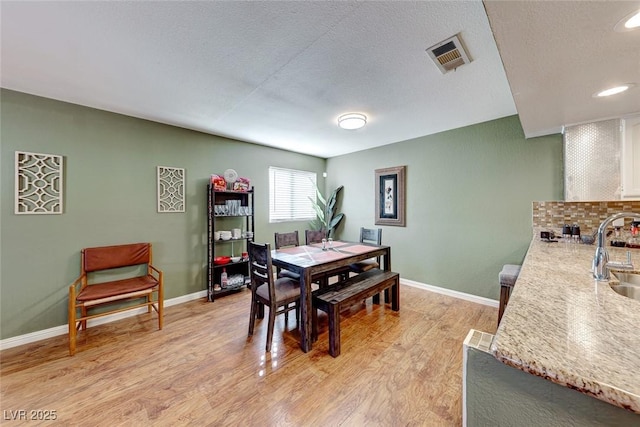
(563, 325)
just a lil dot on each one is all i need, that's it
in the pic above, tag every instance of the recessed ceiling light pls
(352, 121)
(629, 22)
(613, 90)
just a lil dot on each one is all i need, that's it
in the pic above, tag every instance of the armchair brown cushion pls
(120, 287)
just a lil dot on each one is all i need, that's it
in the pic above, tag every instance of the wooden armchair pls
(83, 296)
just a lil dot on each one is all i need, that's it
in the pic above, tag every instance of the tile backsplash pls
(588, 215)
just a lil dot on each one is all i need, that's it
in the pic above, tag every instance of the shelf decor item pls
(230, 176)
(218, 182)
(170, 189)
(390, 196)
(242, 184)
(39, 183)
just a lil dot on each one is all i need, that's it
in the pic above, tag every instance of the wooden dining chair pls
(278, 295)
(286, 240)
(314, 236)
(373, 236)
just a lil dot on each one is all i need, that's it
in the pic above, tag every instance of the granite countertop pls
(563, 325)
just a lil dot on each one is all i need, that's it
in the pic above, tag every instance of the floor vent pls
(449, 54)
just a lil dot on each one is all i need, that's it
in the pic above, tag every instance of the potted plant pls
(326, 217)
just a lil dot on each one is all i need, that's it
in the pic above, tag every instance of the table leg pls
(305, 310)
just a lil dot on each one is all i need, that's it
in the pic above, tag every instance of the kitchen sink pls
(628, 286)
(627, 278)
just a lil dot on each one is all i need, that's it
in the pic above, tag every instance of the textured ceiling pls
(280, 73)
(557, 54)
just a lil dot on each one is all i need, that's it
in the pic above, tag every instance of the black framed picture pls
(390, 196)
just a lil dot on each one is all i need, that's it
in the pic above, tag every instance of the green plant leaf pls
(335, 221)
(320, 216)
(326, 218)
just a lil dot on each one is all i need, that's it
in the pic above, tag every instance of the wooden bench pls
(103, 261)
(348, 292)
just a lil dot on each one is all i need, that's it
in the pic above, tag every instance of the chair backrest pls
(261, 268)
(371, 235)
(107, 257)
(314, 236)
(284, 240)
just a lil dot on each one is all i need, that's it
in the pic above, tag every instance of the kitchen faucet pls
(601, 262)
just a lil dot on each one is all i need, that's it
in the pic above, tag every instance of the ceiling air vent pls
(449, 54)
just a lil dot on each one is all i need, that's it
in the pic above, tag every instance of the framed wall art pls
(390, 196)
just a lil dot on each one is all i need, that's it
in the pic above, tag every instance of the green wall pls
(499, 395)
(110, 198)
(468, 205)
(469, 194)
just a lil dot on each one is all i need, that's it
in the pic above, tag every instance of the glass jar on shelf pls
(634, 240)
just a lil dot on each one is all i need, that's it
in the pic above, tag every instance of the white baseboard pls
(451, 293)
(64, 329)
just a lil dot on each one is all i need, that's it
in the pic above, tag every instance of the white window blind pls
(289, 192)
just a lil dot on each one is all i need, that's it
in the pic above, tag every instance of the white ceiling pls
(557, 54)
(280, 73)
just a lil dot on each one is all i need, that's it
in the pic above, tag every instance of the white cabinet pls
(631, 157)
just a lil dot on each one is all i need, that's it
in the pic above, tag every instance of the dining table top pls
(313, 254)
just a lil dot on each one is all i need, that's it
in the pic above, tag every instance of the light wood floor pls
(396, 369)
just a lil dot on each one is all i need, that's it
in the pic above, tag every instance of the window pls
(289, 192)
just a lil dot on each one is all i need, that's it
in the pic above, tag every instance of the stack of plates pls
(225, 235)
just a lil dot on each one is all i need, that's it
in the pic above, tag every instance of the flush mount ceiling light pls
(352, 121)
(614, 90)
(629, 22)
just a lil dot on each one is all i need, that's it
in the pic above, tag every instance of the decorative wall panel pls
(592, 161)
(171, 189)
(39, 183)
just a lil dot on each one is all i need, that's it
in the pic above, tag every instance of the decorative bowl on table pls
(221, 260)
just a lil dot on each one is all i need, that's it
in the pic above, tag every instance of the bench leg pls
(83, 313)
(314, 324)
(334, 330)
(504, 299)
(395, 296)
(376, 299)
(160, 312)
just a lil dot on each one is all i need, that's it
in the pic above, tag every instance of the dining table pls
(318, 259)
